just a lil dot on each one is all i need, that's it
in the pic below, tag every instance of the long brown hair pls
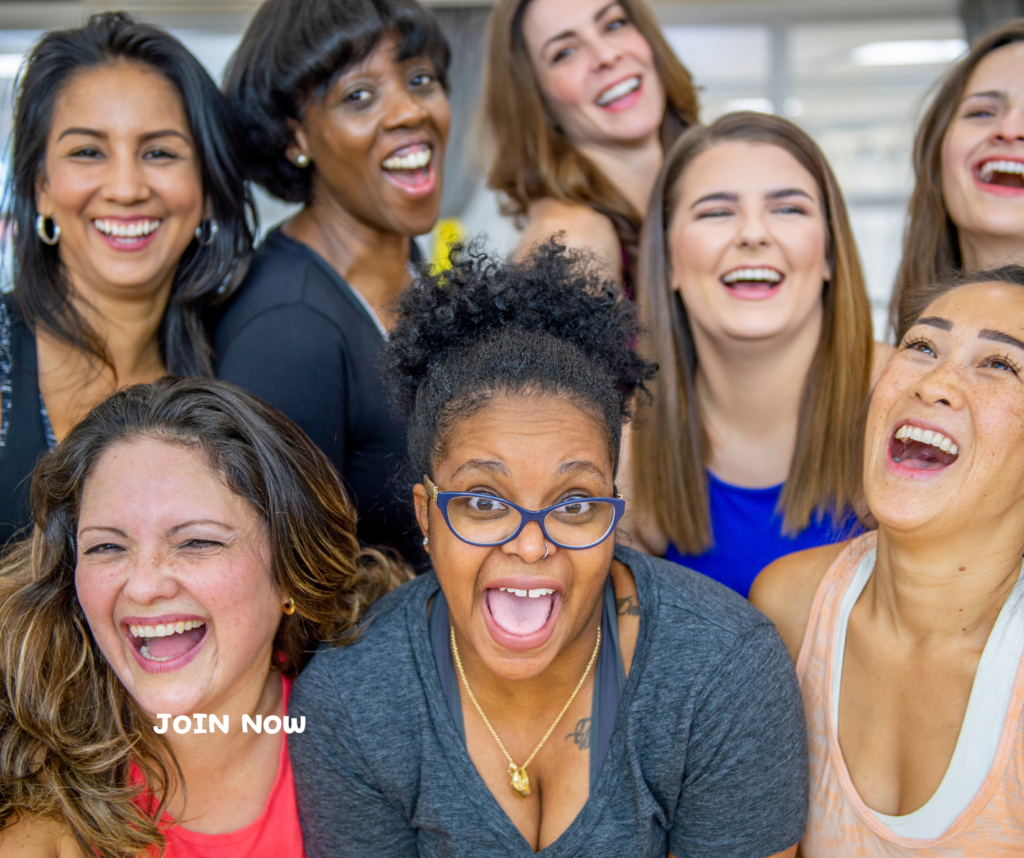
(670, 444)
(931, 243)
(530, 158)
(69, 730)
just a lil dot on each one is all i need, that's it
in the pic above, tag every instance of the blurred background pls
(855, 74)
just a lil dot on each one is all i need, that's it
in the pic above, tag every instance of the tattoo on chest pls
(627, 607)
(581, 735)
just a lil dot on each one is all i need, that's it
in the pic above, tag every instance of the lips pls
(921, 451)
(621, 95)
(411, 169)
(753, 283)
(127, 234)
(523, 617)
(162, 644)
(1001, 176)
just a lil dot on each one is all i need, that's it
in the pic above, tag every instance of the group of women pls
(217, 463)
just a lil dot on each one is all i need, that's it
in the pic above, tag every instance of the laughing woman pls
(542, 691)
(344, 109)
(910, 642)
(129, 226)
(191, 548)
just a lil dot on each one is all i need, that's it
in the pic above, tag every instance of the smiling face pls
(534, 450)
(376, 141)
(945, 435)
(747, 243)
(121, 180)
(164, 544)
(595, 70)
(983, 152)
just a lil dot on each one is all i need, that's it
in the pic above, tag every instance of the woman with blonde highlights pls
(967, 209)
(581, 101)
(755, 310)
(191, 549)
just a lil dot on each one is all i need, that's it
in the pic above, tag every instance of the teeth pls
(990, 167)
(536, 594)
(533, 594)
(619, 90)
(413, 161)
(767, 275)
(145, 654)
(927, 436)
(163, 631)
(135, 229)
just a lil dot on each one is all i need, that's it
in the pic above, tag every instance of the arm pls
(580, 227)
(784, 591)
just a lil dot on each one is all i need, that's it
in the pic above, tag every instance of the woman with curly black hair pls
(343, 109)
(541, 689)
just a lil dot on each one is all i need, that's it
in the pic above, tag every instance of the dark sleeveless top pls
(594, 732)
(25, 431)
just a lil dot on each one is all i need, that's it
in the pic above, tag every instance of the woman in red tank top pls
(192, 547)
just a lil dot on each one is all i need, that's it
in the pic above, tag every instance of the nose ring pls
(546, 549)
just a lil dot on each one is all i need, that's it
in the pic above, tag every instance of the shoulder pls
(580, 225)
(35, 837)
(785, 590)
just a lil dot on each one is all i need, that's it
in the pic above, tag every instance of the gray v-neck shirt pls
(708, 756)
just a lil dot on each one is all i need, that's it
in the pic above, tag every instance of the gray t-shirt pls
(708, 755)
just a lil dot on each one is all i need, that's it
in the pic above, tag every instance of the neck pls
(750, 393)
(370, 260)
(632, 169)
(982, 252)
(946, 583)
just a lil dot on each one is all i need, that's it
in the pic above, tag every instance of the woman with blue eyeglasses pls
(542, 690)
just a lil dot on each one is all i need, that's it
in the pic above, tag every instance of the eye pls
(791, 208)
(617, 23)
(486, 504)
(919, 345)
(357, 96)
(421, 80)
(979, 113)
(85, 152)
(1001, 362)
(201, 544)
(160, 154)
(102, 548)
(562, 54)
(713, 213)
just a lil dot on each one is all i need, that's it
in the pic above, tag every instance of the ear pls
(421, 502)
(44, 205)
(299, 144)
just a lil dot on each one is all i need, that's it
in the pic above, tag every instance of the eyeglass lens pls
(487, 521)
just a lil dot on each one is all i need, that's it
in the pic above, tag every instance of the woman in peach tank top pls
(909, 641)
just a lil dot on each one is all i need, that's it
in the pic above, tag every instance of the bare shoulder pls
(784, 590)
(880, 354)
(581, 226)
(34, 837)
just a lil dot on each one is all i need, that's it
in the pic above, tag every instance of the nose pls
(605, 53)
(125, 180)
(943, 386)
(530, 545)
(403, 110)
(1011, 126)
(752, 231)
(149, 580)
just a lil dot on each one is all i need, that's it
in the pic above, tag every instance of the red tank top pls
(276, 834)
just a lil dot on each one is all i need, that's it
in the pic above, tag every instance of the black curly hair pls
(549, 324)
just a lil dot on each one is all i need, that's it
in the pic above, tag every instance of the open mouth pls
(617, 94)
(521, 618)
(127, 234)
(411, 168)
(753, 283)
(922, 449)
(1002, 173)
(166, 641)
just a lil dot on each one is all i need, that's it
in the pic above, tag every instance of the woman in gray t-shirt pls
(541, 690)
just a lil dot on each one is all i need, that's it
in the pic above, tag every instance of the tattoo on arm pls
(627, 607)
(581, 735)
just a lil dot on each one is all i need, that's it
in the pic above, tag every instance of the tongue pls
(517, 614)
(174, 645)
(1009, 180)
(920, 456)
(411, 178)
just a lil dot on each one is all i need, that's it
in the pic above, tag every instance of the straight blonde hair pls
(529, 156)
(670, 443)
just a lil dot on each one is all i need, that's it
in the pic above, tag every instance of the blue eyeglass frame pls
(442, 500)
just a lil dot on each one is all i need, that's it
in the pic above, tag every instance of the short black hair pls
(207, 273)
(912, 307)
(293, 51)
(482, 327)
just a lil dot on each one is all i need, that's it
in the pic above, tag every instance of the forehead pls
(745, 167)
(529, 432)
(543, 19)
(976, 306)
(1000, 71)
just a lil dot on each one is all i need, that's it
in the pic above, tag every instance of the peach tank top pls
(839, 824)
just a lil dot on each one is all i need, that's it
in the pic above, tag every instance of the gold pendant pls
(520, 780)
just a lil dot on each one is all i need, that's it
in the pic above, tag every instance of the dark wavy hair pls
(69, 730)
(550, 324)
(206, 275)
(292, 53)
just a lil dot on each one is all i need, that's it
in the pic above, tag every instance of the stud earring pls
(44, 233)
(301, 161)
(426, 540)
(289, 607)
(206, 232)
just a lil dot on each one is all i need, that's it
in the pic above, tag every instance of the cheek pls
(695, 252)
(182, 190)
(97, 593)
(562, 89)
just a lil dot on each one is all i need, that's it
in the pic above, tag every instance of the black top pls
(301, 339)
(25, 432)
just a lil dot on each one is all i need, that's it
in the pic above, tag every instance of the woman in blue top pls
(754, 307)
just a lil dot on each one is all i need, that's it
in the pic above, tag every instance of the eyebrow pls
(567, 34)
(990, 94)
(732, 197)
(93, 132)
(1000, 337)
(105, 529)
(198, 521)
(492, 465)
(579, 466)
(936, 322)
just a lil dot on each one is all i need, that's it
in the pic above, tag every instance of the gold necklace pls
(520, 780)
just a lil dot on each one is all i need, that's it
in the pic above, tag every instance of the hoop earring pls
(289, 607)
(43, 232)
(213, 229)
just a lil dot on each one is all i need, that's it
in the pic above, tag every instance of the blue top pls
(747, 532)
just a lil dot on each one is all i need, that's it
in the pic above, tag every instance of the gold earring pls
(289, 607)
